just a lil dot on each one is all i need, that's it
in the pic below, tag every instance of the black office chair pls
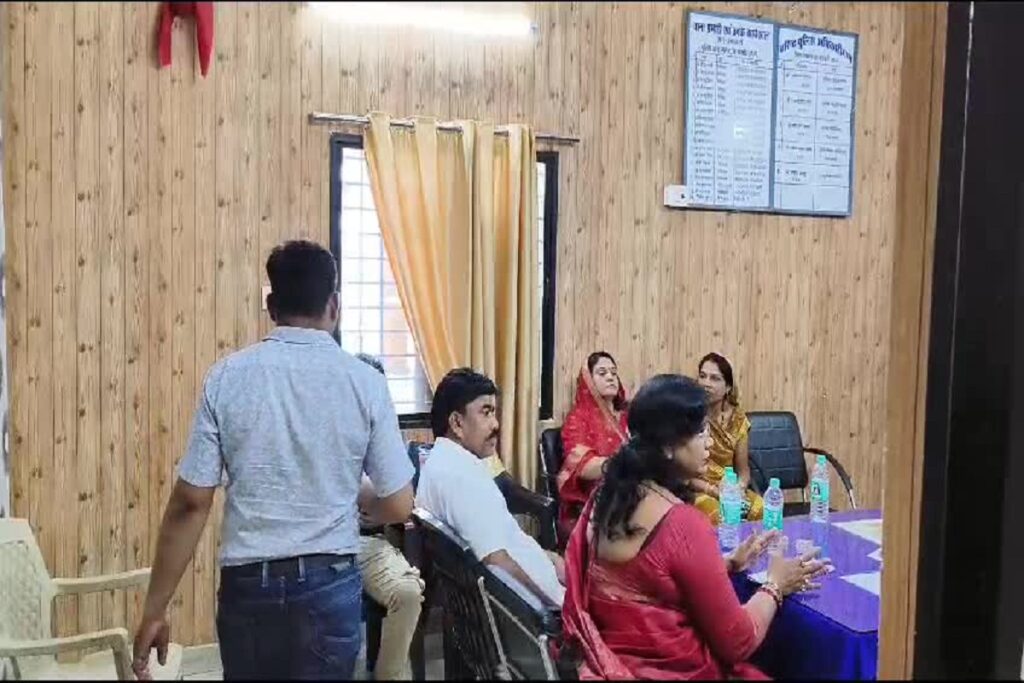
(550, 453)
(551, 456)
(454, 578)
(374, 613)
(524, 628)
(777, 450)
(542, 509)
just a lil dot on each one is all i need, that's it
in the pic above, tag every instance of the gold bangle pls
(772, 589)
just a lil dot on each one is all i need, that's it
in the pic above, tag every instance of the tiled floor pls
(202, 663)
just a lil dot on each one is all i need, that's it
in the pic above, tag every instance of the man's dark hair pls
(458, 389)
(372, 361)
(303, 275)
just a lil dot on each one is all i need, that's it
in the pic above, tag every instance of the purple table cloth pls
(831, 633)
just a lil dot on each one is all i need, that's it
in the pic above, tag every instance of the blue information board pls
(769, 116)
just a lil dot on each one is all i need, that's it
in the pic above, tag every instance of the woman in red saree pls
(593, 430)
(647, 589)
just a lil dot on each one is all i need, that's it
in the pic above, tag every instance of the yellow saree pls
(725, 438)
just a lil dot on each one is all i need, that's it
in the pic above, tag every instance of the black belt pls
(289, 567)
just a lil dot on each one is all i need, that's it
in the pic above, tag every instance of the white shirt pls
(457, 487)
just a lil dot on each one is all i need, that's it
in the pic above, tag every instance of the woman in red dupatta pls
(593, 430)
(647, 591)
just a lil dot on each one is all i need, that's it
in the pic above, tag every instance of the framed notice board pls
(769, 116)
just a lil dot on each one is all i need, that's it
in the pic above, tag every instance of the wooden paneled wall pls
(141, 204)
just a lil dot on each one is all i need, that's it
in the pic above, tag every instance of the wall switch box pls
(677, 196)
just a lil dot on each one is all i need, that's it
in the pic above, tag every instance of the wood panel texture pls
(913, 258)
(141, 204)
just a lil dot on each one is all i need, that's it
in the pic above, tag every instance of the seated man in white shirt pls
(457, 487)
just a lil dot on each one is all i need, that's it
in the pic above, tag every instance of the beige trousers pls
(391, 581)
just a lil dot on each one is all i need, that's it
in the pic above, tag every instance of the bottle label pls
(819, 491)
(732, 513)
(772, 519)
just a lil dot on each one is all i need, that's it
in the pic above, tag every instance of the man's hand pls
(367, 520)
(184, 519)
(367, 495)
(152, 632)
(559, 563)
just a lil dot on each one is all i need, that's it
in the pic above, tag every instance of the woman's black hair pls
(724, 367)
(618, 403)
(668, 410)
(596, 356)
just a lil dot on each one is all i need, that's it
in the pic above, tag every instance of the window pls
(372, 319)
(547, 252)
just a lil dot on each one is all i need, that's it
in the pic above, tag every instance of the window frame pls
(547, 302)
(340, 141)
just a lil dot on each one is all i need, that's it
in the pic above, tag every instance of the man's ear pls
(272, 306)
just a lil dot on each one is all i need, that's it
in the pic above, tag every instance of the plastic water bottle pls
(820, 491)
(773, 502)
(730, 506)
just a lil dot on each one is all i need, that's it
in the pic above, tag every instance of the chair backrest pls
(551, 456)
(26, 591)
(418, 452)
(525, 626)
(776, 450)
(454, 577)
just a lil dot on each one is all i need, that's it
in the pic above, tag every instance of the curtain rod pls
(355, 119)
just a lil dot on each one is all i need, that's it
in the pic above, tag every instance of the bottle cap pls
(822, 460)
(773, 483)
(730, 476)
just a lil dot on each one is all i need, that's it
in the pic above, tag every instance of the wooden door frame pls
(920, 127)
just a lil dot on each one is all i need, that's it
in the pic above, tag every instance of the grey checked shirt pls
(293, 421)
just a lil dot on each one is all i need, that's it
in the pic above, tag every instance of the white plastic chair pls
(26, 637)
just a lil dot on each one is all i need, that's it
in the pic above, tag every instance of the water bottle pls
(773, 502)
(722, 487)
(820, 491)
(730, 506)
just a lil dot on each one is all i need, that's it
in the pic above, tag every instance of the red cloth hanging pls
(203, 12)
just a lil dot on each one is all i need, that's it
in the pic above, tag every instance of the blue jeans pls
(306, 625)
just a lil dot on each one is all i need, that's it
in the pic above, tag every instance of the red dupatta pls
(590, 431)
(580, 633)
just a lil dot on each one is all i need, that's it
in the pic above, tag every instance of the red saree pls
(590, 431)
(669, 613)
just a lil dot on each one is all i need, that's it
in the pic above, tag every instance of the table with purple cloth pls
(831, 633)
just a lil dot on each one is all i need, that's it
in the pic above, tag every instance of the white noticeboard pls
(769, 116)
(814, 121)
(730, 67)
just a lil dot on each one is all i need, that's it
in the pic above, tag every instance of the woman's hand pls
(750, 551)
(797, 574)
(701, 486)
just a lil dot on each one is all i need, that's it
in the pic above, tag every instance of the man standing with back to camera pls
(294, 421)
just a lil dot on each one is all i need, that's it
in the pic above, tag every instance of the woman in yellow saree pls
(729, 448)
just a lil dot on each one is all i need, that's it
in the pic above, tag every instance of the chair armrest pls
(840, 470)
(95, 584)
(549, 616)
(752, 484)
(523, 501)
(116, 639)
(521, 591)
